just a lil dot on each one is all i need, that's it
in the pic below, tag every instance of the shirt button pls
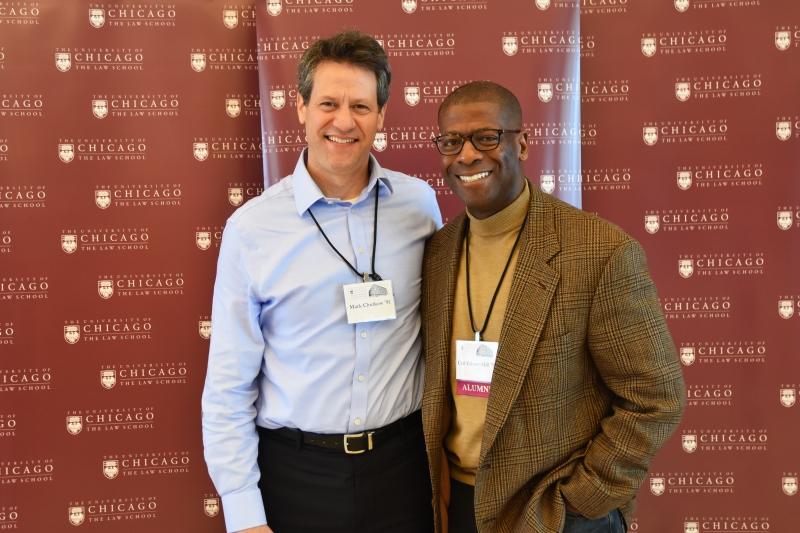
(357, 421)
(361, 378)
(363, 334)
(360, 250)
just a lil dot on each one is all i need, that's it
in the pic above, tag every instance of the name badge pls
(372, 301)
(474, 367)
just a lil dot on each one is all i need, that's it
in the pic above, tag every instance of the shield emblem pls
(687, 355)
(102, 198)
(203, 239)
(97, 17)
(211, 507)
(108, 378)
(380, 143)
(74, 424)
(683, 90)
(205, 329)
(510, 46)
(277, 99)
(547, 183)
(789, 485)
(76, 515)
(274, 7)
(197, 62)
(111, 468)
(105, 288)
(783, 40)
(684, 179)
(100, 108)
(63, 61)
(409, 6)
(235, 196)
(200, 151)
(784, 220)
(681, 5)
(691, 527)
(545, 92)
(651, 224)
(657, 486)
(783, 130)
(786, 309)
(686, 268)
(72, 333)
(66, 152)
(788, 397)
(233, 107)
(650, 135)
(69, 243)
(230, 18)
(649, 46)
(542, 5)
(689, 443)
(411, 94)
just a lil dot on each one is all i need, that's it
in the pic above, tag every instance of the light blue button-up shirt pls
(282, 353)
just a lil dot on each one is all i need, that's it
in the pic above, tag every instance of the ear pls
(381, 115)
(301, 109)
(523, 146)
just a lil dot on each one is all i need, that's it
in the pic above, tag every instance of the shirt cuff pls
(243, 510)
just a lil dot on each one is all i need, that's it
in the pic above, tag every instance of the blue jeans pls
(613, 522)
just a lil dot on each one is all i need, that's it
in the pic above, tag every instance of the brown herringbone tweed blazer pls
(586, 385)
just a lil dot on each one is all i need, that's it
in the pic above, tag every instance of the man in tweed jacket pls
(585, 386)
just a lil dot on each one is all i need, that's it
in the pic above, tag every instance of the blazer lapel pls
(532, 290)
(443, 272)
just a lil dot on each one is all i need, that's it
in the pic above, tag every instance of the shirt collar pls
(307, 192)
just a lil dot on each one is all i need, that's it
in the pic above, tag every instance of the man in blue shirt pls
(311, 402)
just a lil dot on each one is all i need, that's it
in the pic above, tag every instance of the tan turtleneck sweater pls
(490, 242)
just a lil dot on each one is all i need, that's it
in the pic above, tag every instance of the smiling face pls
(486, 182)
(341, 118)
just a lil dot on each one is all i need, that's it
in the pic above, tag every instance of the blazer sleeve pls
(632, 349)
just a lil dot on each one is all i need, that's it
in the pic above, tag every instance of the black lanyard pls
(364, 275)
(478, 333)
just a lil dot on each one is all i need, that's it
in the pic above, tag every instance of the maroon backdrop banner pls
(130, 131)
(128, 134)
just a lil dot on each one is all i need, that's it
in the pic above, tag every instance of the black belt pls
(349, 443)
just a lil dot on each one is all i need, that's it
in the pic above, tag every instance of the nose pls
(469, 154)
(343, 119)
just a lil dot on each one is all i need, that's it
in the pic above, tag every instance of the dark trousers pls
(307, 489)
(461, 515)
(461, 512)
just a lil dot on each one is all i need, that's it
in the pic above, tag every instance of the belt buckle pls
(348, 436)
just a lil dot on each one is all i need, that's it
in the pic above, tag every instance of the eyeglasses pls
(483, 140)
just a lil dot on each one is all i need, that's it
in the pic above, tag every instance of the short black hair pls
(351, 47)
(485, 91)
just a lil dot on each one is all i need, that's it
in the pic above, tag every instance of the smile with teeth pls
(474, 177)
(340, 140)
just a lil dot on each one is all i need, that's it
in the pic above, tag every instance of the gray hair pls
(351, 47)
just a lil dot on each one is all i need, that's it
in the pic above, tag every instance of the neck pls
(340, 185)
